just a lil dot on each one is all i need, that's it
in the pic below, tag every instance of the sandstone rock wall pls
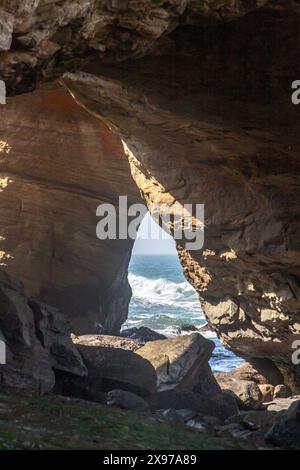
(220, 129)
(40, 38)
(206, 118)
(58, 163)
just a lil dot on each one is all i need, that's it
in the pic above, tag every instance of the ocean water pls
(164, 301)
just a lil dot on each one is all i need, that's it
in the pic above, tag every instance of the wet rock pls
(204, 328)
(178, 361)
(142, 334)
(188, 327)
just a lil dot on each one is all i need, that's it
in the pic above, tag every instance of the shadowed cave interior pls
(167, 103)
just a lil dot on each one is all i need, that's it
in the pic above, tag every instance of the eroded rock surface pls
(39, 39)
(231, 143)
(286, 431)
(116, 368)
(206, 118)
(107, 341)
(58, 163)
(28, 364)
(178, 361)
(220, 405)
(142, 334)
(37, 341)
(54, 333)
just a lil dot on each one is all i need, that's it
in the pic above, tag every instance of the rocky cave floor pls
(28, 421)
(195, 88)
(135, 390)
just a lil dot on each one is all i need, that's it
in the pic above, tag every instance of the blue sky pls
(152, 240)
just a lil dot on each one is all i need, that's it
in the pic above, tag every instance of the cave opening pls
(163, 301)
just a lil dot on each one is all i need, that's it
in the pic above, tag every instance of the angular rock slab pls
(28, 364)
(286, 431)
(53, 331)
(178, 361)
(115, 368)
(220, 405)
(106, 341)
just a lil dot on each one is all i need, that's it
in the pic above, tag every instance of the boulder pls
(53, 331)
(255, 382)
(207, 383)
(285, 433)
(142, 334)
(188, 327)
(267, 392)
(115, 368)
(28, 363)
(70, 385)
(178, 361)
(254, 419)
(176, 416)
(106, 341)
(247, 393)
(221, 405)
(260, 371)
(126, 400)
(282, 404)
(282, 391)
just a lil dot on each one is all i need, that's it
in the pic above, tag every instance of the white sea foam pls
(164, 306)
(163, 292)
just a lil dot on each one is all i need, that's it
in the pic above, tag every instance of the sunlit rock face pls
(58, 163)
(220, 129)
(40, 38)
(205, 116)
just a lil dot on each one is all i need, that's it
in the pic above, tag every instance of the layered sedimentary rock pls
(206, 118)
(179, 362)
(233, 144)
(58, 163)
(37, 341)
(40, 38)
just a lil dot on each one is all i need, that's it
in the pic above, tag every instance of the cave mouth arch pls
(175, 159)
(162, 298)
